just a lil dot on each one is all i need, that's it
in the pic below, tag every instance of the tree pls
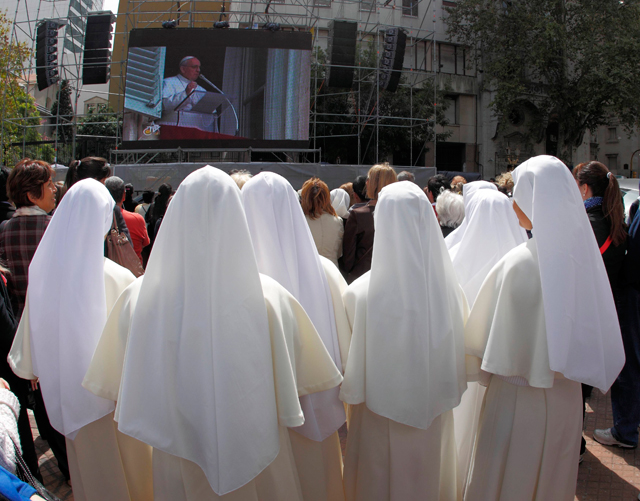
(62, 113)
(397, 124)
(97, 132)
(20, 118)
(577, 61)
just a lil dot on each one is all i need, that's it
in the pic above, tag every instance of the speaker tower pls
(342, 51)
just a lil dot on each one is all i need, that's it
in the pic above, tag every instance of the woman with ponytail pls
(603, 201)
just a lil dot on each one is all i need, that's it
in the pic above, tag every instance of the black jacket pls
(614, 256)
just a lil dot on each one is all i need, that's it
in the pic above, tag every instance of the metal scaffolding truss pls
(373, 18)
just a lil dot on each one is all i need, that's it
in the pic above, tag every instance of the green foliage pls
(399, 123)
(19, 113)
(62, 113)
(97, 132)
(577, 61)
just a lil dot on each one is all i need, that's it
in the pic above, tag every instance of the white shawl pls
(198, 377)
(583, 333)
(285, 251)
(407, 352)
(340, 202)
(67, 304)
(489, 231)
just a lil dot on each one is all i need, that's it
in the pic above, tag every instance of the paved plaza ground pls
(607, 473)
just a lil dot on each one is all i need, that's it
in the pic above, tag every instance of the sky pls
(111, 5)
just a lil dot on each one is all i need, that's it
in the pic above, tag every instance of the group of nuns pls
(227, 369)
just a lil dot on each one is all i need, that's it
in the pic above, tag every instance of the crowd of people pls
(455, 331)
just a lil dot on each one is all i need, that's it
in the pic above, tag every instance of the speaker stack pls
(342, 51)
(395, 42)
(47, 54)
(97, 54)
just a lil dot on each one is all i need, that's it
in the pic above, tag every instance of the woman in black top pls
(603, 202)
(20, 387)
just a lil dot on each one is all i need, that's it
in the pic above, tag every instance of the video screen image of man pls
(187, 104)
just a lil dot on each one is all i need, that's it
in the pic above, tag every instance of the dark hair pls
(405, 175)
(28, 176)
(604, 184)
(4, 176)
(128, 189)
(360, 187)
(316, 199)
(161, 200)
(436, 183)
(89, 167)
(147, 197)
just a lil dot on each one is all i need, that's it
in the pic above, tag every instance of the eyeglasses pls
(189, 66)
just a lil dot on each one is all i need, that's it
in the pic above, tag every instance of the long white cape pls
(490, 230)
(583, 333)
(198, 377)
(68, 304)
(285, 251)
(407, 353)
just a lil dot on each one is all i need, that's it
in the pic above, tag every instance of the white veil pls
(285, 251)
(490, 230)
(68, 306)
(583, 333)
(340, 201)
(413, 348)
(198, 377)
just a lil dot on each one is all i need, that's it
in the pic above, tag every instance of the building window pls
(612, 135)
(322, 3)
(366, 5)
(455, 60)
(452, 113)
(612, 161)
(447, 58)
(448, 3)
(96, 108)
(410, 8)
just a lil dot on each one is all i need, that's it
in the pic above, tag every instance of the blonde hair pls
(379, 176)
(241, 177)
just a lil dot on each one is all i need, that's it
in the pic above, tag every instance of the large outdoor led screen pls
(218, 88)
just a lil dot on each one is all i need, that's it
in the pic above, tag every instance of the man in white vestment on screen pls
(180, 94)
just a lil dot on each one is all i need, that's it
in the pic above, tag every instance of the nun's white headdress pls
(583, 333)
(490, 230)
(68, 306)
(340, 201)
(285, 251)
(407, 360)
(198, 378)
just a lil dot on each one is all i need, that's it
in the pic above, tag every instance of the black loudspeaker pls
(342, 51)
(395, 42)
(97, 56)
(47, 54)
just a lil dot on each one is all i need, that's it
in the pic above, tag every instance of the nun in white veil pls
(543, 322)
(72, 288)
(213, 356)
(285, 251)
(490, 230)
(406, 367)
(340, 202)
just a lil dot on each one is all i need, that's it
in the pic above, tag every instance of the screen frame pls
(230, 37)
